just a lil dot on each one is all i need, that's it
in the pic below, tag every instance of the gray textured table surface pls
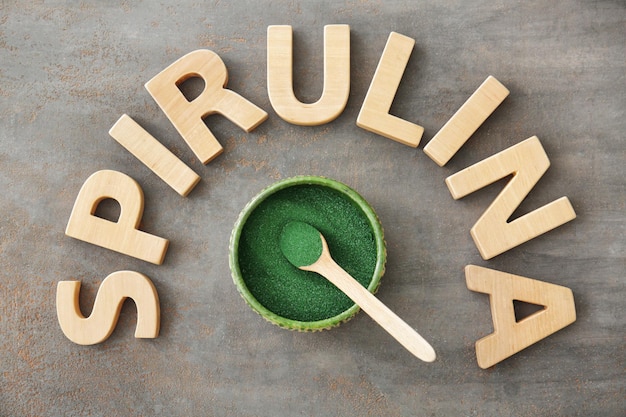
(68, 70)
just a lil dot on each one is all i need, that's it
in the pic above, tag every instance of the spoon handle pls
(375, 308)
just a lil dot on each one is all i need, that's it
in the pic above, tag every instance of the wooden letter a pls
(510, 336)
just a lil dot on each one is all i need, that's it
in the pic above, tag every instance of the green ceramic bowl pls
(278, 291)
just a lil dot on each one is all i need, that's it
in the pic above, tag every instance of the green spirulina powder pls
(275, 282)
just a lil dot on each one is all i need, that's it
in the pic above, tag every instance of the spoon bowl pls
(306, 248)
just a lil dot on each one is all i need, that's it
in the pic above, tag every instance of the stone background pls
(70, 69)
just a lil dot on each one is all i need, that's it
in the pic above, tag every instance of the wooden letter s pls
(113, 291)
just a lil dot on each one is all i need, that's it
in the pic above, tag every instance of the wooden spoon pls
(305, 247)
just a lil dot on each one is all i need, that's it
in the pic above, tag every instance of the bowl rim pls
(343, 189)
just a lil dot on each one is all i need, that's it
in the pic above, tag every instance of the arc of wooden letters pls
(492, 233)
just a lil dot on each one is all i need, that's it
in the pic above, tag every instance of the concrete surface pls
(70, 69)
